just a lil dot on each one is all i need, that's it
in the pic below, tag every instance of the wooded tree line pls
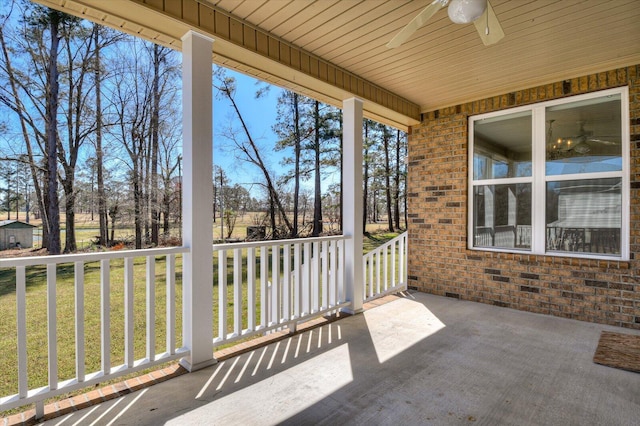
(91, 123)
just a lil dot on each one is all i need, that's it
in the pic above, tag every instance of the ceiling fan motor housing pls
(466, 11)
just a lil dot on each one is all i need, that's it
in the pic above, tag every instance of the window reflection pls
(584, 216)
(502, 216)
(584, 136)
(502, 147)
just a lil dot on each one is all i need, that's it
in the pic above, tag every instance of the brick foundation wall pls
(601, 291)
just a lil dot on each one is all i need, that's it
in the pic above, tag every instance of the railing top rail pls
(89, 257)
(387, 244)
(268, 243)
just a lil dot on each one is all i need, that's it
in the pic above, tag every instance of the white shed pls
(14, 233)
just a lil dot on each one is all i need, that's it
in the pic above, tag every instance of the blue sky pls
(259, 114)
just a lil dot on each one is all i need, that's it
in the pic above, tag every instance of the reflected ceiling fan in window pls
(479, 12)
(583, 143)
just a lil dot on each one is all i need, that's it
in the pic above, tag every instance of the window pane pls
(584, 216)
(584, 136)
(502, 216)
(502, 146)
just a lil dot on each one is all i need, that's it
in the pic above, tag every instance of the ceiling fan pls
(584, 140)
(582, 143)
(479, 12)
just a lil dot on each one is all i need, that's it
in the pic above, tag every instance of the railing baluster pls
(385, 273)
(237, 291)
(372, 267)
(171, 303)
(306, 279)
(129, 318)
(365, 276)
(264, 306)
(341, 272)
(393, 265)
(378, 260)
(325, 275)
(297, 278)
(21, 319)
(309, 281)
(105, 319)
(315, 277)
(79, 319)
(275, 284)
(82, 379)
(333, 272)
(151, 308)
(403, 270)
(388, 260)
(286, 285)
(222, 293)
(251, 288)
(52, 326)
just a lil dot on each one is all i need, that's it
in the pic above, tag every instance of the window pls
(551, 178)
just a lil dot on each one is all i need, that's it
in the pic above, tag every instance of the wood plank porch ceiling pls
(334, 49)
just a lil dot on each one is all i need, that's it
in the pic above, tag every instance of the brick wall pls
(590, 290)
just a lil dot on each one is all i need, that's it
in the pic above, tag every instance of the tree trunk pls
(257, 160)
(215, 199)
(155, 130)
(272, 217)
(70, 234)
(137, 206)
(396, 186)
(27, 139)
(296, 177)
(317, 196)
(17, 194)
(166, 206)
(387, 177)
(145, 185)
(102, 199)
(8, 191)
(113, 212)
(365, 177)
(53, 208)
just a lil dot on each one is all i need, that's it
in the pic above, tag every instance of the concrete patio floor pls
(420, 359)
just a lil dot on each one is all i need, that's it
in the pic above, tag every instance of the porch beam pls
(164, 22)
(352, 201)
(197, 200)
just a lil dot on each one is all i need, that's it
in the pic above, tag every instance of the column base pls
(352, 311)
(191, 368)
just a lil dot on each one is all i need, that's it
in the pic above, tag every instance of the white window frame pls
(539, 179)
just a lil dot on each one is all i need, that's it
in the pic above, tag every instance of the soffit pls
(445, 64)
(442, 64)
(245, 48)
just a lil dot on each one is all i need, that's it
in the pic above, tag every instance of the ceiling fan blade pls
(419, 20)
(489, 27)
(603, 142)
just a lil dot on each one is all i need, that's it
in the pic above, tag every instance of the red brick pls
(440, 261)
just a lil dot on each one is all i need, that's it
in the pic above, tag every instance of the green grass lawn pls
(65, 316)
(36, 300)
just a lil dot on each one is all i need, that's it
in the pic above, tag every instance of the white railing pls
(286, 282)
(79, 262)
(384, 268)
(261, 287)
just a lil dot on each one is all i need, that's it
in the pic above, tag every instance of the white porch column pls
(197, 200)
(352, 201)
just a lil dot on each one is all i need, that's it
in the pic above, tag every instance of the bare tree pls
(386, 139)
(132, 106)
(226, 88)
(365, 175)
(53, 20)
